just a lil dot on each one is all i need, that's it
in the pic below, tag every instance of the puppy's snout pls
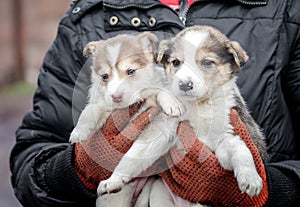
(117, 98)
(186, 85)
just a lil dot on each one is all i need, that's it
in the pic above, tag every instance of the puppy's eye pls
(104, 77)
(130, 72)
(176, 63)
(207, 63)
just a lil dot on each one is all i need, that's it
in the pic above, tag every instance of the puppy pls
(123, 72)
(201, 66)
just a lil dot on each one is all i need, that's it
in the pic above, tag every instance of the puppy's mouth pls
(187, 90)
(124, 101)
(188, 96)
(120, 104)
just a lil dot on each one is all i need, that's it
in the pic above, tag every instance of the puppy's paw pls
(250, 182)
(173, 108)
(78, 135)
(112, 185)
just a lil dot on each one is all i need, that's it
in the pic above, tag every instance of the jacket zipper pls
(183, 10)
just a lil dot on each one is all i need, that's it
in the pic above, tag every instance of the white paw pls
(78, 135)
(173, 108)
(111, 185)
(250, 182)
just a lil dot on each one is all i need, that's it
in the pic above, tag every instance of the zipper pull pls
(184, 6)
(182, 19)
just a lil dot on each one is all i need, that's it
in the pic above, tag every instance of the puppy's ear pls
(149, 41)
(162, 56)
(239, 55)
(91, 48)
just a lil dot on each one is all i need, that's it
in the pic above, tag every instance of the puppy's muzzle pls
(117, 98)
(186, 85)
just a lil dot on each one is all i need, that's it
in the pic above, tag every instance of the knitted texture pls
(97, 156)
(198, 176)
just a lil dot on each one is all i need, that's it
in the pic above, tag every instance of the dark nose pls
(117, 98)
(186, 85)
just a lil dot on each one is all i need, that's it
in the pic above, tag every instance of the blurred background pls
(27, 29)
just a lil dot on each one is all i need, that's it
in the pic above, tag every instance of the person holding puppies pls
(49, 171)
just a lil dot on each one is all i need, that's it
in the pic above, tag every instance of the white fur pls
(195, 38)
(113, 52)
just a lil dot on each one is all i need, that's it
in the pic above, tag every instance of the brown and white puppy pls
(123, 72)
(201, 66)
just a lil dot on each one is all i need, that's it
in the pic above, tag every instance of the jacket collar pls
(81, 6)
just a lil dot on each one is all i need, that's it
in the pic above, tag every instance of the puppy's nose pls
(186, 85)
(117, 98)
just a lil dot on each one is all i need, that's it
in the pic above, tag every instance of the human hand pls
(197, 176)
(98, 155)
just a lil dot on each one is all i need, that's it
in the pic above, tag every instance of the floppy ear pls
(239, 55)
(162, 57)
(91, 48)
(149, 41)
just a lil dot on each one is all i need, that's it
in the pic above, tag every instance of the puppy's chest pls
(208, 122)
(200, 118)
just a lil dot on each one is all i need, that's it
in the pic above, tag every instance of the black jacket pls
(41, 160)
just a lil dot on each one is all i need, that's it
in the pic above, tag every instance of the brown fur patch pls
(135, 52)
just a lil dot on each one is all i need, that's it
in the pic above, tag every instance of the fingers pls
(241, 130)
(239, 127)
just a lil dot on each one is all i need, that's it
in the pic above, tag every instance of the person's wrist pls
(60, 176)
(283, 190)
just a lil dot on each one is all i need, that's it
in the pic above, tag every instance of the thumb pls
(240, 129)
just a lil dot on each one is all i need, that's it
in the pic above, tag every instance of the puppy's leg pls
(151, 145)
(233, 154)
(87, 122)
